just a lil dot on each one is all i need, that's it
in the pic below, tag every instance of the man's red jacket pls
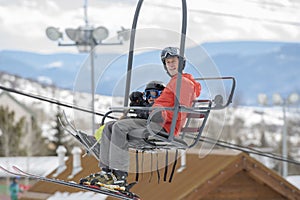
(190, 90)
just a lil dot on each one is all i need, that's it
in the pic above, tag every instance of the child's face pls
(172, 65)
(151, 99)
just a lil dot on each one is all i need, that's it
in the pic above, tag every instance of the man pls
(190, 89)
(114, 156)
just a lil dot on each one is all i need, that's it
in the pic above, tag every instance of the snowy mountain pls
(259, 67)
(58, 69)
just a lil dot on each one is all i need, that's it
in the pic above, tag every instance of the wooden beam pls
(274, 181)
(215, 181)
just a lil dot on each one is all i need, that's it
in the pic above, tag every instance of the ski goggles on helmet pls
(169, 51)
(152, 93)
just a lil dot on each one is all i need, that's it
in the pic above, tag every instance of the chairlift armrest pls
(218, 105)
(123, 110)
(185, 109)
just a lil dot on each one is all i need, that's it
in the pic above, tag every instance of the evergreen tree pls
(12, 132)
(38, 147)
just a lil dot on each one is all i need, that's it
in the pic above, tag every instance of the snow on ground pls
(295, 180)
(77, 195)
(256, 115)
(35, 165)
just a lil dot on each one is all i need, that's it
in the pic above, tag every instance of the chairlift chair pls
(190, 133)
(199, 111)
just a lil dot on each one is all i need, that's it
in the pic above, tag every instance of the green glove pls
(98, 133)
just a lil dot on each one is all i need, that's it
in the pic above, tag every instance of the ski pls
(89, 142)
(103, 190)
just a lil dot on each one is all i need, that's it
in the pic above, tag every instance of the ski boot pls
(90, 179)
(115, 180)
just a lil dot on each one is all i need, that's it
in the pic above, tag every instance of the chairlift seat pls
(160, 140)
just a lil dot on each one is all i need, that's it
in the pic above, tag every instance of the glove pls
(98, 133)
(136, 99)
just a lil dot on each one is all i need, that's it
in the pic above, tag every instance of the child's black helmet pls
(155, 85)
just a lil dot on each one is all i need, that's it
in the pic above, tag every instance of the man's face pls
(172, 65)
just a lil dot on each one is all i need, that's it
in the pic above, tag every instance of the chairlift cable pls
(239, 16)
(247, 150)
(53, 101)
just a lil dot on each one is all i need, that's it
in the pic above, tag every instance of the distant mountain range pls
(259, 67)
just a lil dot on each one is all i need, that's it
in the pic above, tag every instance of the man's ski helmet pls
(170, 52)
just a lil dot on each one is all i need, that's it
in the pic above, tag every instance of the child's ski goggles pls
(152, 93)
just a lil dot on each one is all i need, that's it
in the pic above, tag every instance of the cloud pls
(56, 64)
(209, 20)
(45, 80)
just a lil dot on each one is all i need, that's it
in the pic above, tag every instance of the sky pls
(23, 22)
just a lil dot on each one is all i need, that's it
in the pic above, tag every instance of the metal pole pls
(180, 68)
(85, 13)
(93, 88)
(131, 51)
(284, 141)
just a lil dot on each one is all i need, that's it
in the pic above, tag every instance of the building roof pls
(220, 176)
(216, 176)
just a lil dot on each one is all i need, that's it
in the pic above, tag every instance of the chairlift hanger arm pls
(180, 68)
(131, 51)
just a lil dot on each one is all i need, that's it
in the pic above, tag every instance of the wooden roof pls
(220, 177)
(216, 176)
